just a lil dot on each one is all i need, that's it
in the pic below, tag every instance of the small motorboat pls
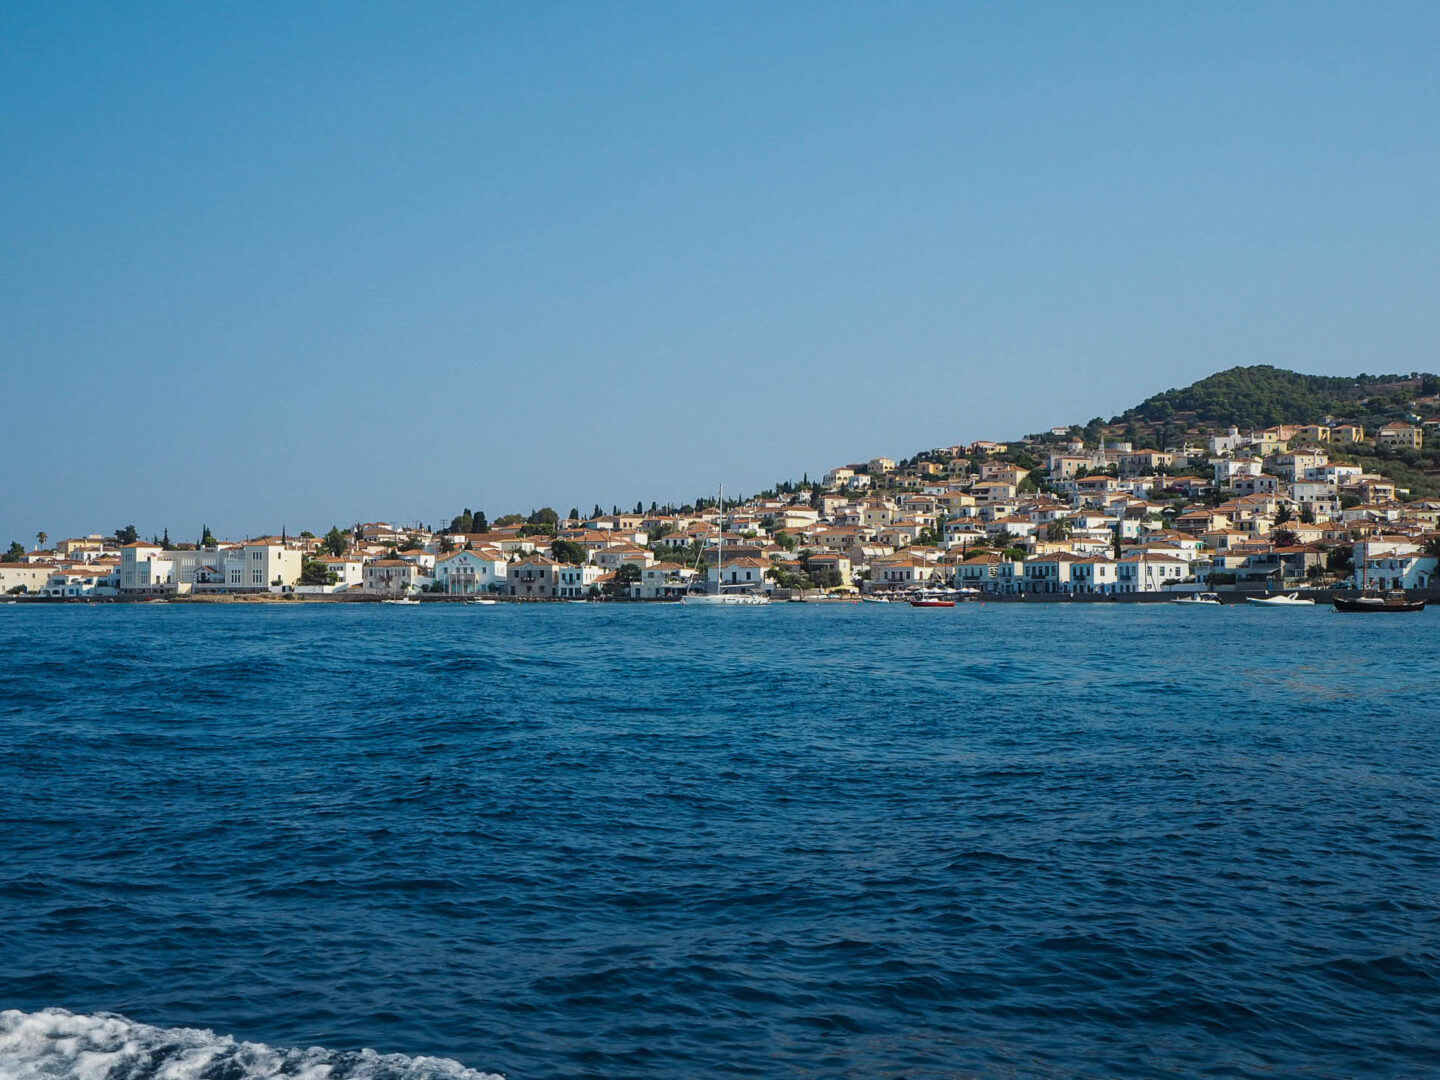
(1208, 598)
(1395, 600)
(486, 603)
(921, 601)
(1282, 600)
(408, 601)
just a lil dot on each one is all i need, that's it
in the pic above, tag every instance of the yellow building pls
(1401, 436)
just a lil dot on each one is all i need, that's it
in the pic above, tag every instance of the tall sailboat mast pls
(744, 594)
(720, 542)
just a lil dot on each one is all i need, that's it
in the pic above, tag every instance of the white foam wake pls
(54, 1044)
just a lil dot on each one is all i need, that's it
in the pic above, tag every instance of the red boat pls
(932, 603)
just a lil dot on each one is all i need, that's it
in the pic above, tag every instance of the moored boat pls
(725, 599)
(1395, 600)
(1282, 600)
(720, 598)
(1199, 598)
(934, 597)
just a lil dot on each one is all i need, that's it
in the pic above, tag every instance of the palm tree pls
(40, 538)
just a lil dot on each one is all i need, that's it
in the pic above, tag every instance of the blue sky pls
(281, 264)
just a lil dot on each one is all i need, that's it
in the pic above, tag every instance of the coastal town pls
(1069, 513)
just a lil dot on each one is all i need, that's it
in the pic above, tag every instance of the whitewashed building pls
(1148, 573)
(1093, 575)
(572, 580)
(82, 581)
(349, 571)
(258, 565)
(738, 575)
(464, 573)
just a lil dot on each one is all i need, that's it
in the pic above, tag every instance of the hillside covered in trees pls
(1262, 395)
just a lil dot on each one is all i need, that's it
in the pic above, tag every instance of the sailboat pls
(720, 596)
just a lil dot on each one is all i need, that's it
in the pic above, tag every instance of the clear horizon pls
(289, 267)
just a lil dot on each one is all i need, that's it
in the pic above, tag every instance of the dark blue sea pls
(796, 841)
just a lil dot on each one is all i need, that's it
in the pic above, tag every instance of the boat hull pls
(1384, 605)
(710, 600)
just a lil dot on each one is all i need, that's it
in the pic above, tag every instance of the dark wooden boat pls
(1394, 601)
(932, 603)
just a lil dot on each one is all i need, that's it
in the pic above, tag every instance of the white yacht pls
(1282, 600)
(1210, 598)
(725, 599)
(720, 598)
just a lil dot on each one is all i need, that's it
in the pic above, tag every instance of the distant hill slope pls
(1262, 395)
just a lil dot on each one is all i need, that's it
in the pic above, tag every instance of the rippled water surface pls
(589, 840)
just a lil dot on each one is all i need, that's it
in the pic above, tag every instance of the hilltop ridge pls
(1262, 395)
